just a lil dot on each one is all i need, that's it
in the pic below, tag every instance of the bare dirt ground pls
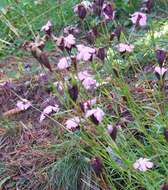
(23, 139)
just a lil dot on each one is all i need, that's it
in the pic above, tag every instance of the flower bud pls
(160, 72)
(47, 28)
(161, 56)
(81, 11)
(166, 134)
(108, 12)
(118, 31)
(112, 131)
(97, 7)
(73, 92)
(96, 165)
(99, 2)
(164, 186)
(92, 34)
(101, 53)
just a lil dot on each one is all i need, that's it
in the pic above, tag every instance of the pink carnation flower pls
(47, 28)
(139, 18)
(83, 75)
(89, 83)
(64, 63)
(160, 70)
(87, 80)
(97, 113)
(69, 41)
(23, 105)
(125, 47)
(47, 111)
(72, 123)
(143, 164)
(85, 53)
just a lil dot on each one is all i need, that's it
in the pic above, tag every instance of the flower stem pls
(162, 93)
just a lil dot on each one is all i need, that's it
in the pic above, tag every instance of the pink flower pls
(64, 63)
(47, 28)
(23, 105)
(89, 83)
(97, 113)
(72, 123)
(110, 129)
(85, 53)
(125, 47)
(143, 164)
(48, 110)
(139, 18)
(160, 70)
(87, 80)
(83, 75)
(87, 104)
(69, 41)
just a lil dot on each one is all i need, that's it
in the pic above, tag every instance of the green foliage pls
(20, 21)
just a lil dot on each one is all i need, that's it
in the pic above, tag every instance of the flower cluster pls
(76, 52)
